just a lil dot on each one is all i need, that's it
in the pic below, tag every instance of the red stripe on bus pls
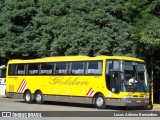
(89, 91)
(20, 85)
(23, 87)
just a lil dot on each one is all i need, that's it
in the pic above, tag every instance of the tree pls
(38, 28)
(151, 34)
(90, 28)
(15, 19)
(144, 18)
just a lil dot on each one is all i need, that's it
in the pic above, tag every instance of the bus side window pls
(3, 73)
(76, 68)
(46, 68)
(94, 67)
(20, 69)
(12, 69)
(33, 69)
(61, 68)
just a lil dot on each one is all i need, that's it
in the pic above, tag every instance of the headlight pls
(147, 96)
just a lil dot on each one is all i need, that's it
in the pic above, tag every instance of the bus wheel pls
(28, 97)
(39, 97)
(100, 101)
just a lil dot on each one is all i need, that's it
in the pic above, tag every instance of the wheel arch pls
(25, 92)
(97, 93)
(38, 90)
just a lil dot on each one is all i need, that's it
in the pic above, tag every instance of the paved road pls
(8, 104)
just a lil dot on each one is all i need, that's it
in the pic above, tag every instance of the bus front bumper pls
(128, 102)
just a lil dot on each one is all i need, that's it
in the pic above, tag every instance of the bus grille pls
(141, 96)
(136, 96)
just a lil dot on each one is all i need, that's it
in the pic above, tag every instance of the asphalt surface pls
(10, 104)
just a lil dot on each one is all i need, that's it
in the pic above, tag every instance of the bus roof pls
(73, 58)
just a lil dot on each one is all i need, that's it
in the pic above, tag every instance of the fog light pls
(127, 96)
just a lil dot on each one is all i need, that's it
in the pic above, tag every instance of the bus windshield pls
(135, 77)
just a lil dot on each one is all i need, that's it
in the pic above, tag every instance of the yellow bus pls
(100, 80)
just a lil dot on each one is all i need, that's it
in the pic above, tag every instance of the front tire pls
(39, 97)
(28, 97)
(100, 102)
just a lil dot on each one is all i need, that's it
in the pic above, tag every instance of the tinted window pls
(77, 68)
(12, 69)
(3, 73)
(21, 69)
(94, 67)
(111, 65)
(61, 68)
(46, 68)
(33, 68)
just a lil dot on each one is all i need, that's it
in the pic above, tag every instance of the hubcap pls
(99, 101)
(38, 97)
(28, 97)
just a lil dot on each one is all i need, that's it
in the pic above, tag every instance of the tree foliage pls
(151, 34)
(39, 28)
(143, 16)
(144, 19)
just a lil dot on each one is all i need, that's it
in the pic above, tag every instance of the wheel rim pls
(28, 97)
(99, 101)
(38, 97)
